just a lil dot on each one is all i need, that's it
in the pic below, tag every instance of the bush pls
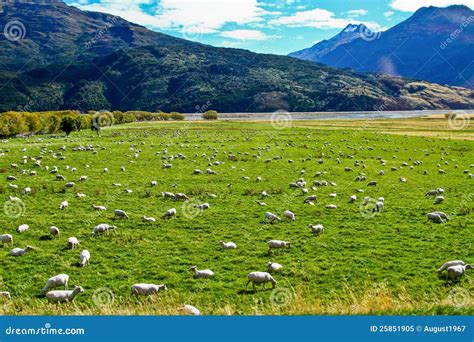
(176, 116)
(210, 115)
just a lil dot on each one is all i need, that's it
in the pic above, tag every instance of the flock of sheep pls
(454, 269)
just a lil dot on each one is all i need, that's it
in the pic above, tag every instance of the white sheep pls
(203, 206)
(147, 289)
(439, 199)
(85, 258)
(191, 310)
(289, 214)
(153, 183)
(64, 296)
(64, 205)
(72, 242)
(120, 214)
(20, 251)
(271, 217)
(260, 278)
(6, 238)
(278, 244)
(437, 217)
(22, 228)
(449, 264)
(201, 273)
(262, 204)
(27, 191)
(331, 206)
(148, 219)
(57, 280)
(316, 229)
(228, 245)
(169, 213)
(80, 195)
(54, 231)
(102, 228)
(352, 199)
(457, 271)
(99, 207)
(273, 267)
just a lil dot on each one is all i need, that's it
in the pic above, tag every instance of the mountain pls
(322, 48)
(434, 44)
(70, 59)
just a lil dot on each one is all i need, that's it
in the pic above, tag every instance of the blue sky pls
(269, 26)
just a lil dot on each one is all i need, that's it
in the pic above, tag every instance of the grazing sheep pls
(457, 271)
(148, 219)
(203, 206)
(99, 207)
(69, 185)
(153, 183)
(82, 178)
(102, 228)
(271, 217)
(439, 199)
(169, 213)
(27, 191)
(260, 278)
(278, 244)
(437, 217)
(228, 245)
(54, 231)
(262, 204)
(147, 289)
(449, 264)
(167, 194)
(431, 193)
(372, 183)
(316, 229)
(352, 199)
(64, 205)
(20, 251)
(6, 295)
(182, 197)
(274, 267)
(6, 238)
(289, 214)
(310, 199)
(331, 206)
(64, 296)
(120, 214)
(84, 257)
(72, 242)
(191, 310)
(201, 273)
(23, 228)
(80, 195)
(57, 280)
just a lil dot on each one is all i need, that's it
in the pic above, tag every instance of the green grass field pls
(385, 264)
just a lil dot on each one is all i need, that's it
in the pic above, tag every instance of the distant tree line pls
(17, 123)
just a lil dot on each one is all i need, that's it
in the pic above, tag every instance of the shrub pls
(210, 115)
(176, 116)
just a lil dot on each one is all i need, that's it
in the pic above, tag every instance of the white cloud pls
(317, 18)
(388, 14)
(245, 35)
(413, 5)
(356, 13)
(203, 16)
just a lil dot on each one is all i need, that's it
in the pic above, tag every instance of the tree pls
(69, 124)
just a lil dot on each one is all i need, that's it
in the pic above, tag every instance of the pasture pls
(363, 263)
